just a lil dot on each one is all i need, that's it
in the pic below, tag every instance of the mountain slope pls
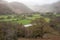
(20, 8)
(55, 7)
(13, 8)
(44, 8)
(4, 9)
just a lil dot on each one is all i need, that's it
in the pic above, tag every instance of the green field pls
(18, 18)
(22, 19)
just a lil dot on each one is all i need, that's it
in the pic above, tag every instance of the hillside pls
(13, 8)
(55, 7)
(4, 9)
(20, 8)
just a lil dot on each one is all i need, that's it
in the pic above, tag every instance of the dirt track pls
(52, 38)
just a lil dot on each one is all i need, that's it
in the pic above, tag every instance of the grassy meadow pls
(20, 18)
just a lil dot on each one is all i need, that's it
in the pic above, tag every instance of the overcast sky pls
(34, 2)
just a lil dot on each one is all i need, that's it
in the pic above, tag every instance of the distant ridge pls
(55, 7)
